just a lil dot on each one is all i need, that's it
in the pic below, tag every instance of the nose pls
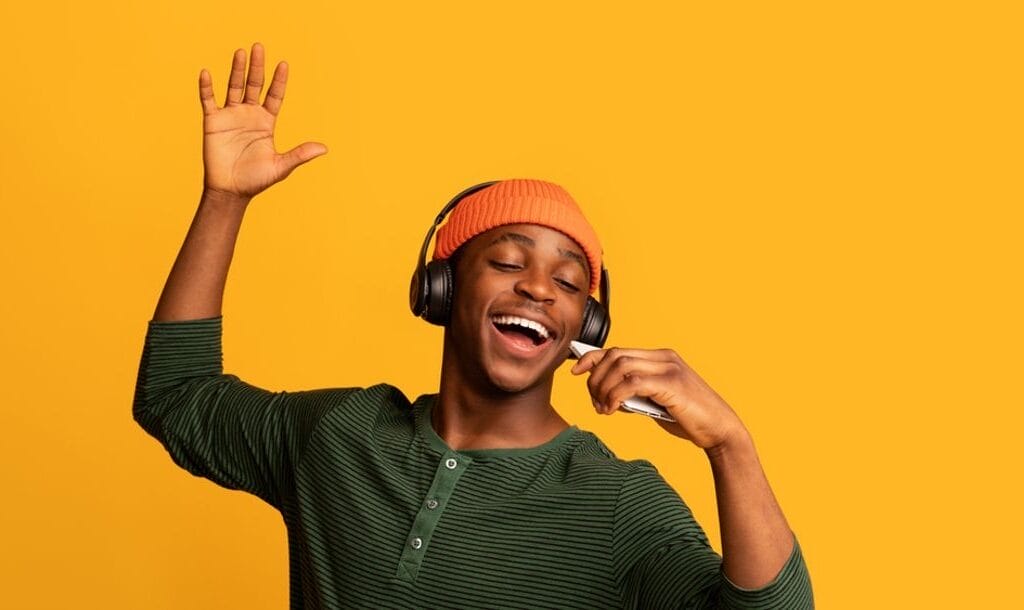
(536, 285)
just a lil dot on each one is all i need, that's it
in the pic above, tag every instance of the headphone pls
(433, 286)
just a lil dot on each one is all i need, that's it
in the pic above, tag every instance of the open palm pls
(238, 139)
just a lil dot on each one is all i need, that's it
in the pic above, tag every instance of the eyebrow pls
(526, 241)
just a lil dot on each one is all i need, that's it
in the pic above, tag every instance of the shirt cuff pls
(179, 349)
(791, 588)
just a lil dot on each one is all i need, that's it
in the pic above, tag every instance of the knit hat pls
(514, 201)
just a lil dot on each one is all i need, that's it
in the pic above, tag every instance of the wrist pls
(734, 444)
(212, 196)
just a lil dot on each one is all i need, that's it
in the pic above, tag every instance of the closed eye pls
(514, 267)
(569, 285)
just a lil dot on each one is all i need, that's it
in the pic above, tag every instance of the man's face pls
(508, 280)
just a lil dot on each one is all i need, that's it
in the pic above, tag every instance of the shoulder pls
(381, 394)
(635, 481)
(348, 398)
(371, 402)
(356, 416)
(592, 457)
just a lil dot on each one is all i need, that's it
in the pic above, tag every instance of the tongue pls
(519, 338)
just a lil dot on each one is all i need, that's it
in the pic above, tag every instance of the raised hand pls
(239, 158)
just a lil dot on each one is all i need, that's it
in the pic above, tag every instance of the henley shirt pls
(382, 513)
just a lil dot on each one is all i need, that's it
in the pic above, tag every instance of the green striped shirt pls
(381, 513)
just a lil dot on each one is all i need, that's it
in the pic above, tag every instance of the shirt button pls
(416, 543)
(431, 504)
(451, 463)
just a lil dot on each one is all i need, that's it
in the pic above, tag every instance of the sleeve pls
(215, 425)
(663, 558)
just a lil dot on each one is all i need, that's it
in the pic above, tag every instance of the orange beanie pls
(519, 201)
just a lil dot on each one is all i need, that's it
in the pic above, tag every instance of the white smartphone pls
(636, 404)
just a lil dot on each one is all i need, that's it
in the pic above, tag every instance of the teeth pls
(537, 326)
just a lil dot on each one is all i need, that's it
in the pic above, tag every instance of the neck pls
(471, 413)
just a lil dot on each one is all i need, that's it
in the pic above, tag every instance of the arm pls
(195, 286)
(239, 161)
(215, 425)
(663, 558)
(757, 544)
(756, 539)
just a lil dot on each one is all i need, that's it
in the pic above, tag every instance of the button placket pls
(449, 469)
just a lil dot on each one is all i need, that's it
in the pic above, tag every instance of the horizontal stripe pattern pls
(562, 525)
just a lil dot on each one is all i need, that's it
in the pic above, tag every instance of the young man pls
(480, 495)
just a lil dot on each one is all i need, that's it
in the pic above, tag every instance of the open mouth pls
(523, 334)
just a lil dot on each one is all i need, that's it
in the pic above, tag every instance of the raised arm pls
(214, 424)
(239, 162)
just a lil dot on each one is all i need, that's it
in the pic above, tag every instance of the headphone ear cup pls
(596, 323)
(418, 290)
(439, 281)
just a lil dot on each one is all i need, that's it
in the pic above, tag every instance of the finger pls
(593, 358)
(300, 154)
(206, 92)
(236, 82)
(587, 361)
(275, 94)
(651, 354)
(633, 386)
(254, 85)
(611, 356)
(626, 387)
(625, 368)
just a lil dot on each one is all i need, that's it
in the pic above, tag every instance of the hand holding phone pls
(635, 404)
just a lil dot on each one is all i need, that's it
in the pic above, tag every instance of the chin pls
(512, 377)
(511, 382)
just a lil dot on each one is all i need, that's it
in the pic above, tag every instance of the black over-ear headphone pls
(433, 285)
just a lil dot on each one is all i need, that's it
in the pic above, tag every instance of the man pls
(480, 495)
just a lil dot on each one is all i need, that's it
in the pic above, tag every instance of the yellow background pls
(816, 204)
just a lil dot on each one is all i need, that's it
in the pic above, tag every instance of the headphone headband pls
(444, 212)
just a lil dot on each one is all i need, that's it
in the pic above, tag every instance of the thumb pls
(300, 154)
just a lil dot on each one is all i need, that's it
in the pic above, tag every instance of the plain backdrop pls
(816, 204)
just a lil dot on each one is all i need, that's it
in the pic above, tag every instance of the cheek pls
(574, 319)
(468, 305)
(460, 311)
